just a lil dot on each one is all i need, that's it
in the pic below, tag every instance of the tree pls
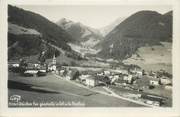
(143, 72)
(75, 75)
(42, 57)
(23, 63)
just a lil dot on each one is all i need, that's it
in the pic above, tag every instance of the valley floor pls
(51, 91)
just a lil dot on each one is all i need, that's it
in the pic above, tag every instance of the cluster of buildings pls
(32, 67)
(117, 77)
(127, 80)
(134, 79)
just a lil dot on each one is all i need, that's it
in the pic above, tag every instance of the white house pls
(68, 75)
(123, 71)
(107, 73)
(31, 71)
(52, 65)
(83, 77)
(139, 74)
(37, 65)
(91, 81)
(15, 65)
(61, 72)
(154, 82)
(128, 78)
(168, 87)
(115, 77)
(165, 81)
(100, 74)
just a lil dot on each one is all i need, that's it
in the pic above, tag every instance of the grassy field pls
(53, 89)
(157, 91)
(153, 57)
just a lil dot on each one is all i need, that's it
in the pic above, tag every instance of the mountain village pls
(138, 83)
(128, 64)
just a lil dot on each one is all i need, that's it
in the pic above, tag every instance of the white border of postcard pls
(76, 112)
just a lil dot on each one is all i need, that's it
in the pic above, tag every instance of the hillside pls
(153, 58)
(140, 29)
(29, 34)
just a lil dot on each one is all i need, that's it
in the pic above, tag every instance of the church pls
(52, 65)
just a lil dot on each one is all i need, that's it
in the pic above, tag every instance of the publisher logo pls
(15, 98)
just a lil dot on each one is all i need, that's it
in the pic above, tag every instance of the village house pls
(168, 87)
(30, 72)
(32, 68)
(107, 73)
(120, 80)
(71, 74)
(91, 81)
(100, 74)
(153, 74)
(137, 72)
(42, 72)
(114, 78)
(83, 77)
(122, 71)
(33, 65)
(61, 72)
(154, 82)
(165, 81)
(153, 99)
(128, 78)
(14, 63)
(68, 75)
(52, 65)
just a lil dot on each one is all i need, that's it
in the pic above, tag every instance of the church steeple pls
(54, 60)
(53, 67)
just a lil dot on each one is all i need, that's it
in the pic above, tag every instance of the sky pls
(95, 16)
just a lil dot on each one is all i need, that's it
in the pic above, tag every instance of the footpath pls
(110, 92)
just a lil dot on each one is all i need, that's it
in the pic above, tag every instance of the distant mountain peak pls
(169, 13)
(79, 31)
(63, 21)
(105, 30)
(147, 12)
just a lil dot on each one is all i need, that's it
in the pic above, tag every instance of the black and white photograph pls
(90, 56)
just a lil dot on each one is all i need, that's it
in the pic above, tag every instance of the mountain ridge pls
(25, 44)
(79, 31)
(141, 28)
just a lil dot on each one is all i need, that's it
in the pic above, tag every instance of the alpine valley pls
(143, 39)
(67, 63)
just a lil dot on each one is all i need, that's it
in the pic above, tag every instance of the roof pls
(13, 62)
(153, 79)
(91, 77)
